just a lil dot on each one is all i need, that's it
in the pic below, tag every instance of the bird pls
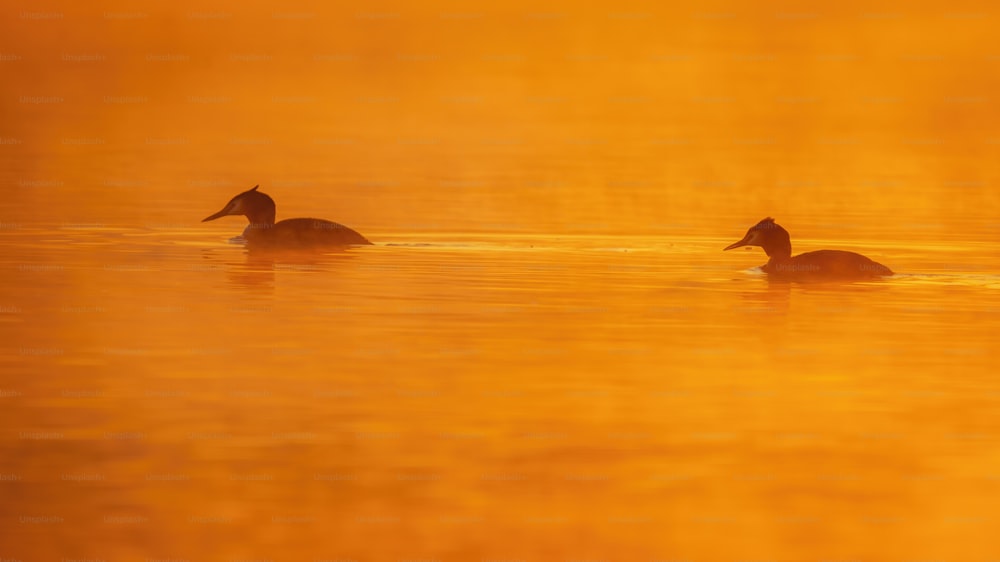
(820, 264)
(263, 232)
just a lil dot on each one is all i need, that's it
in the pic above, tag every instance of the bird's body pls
(298, 233)
(816, 265)
(826, 263)
(302, 233)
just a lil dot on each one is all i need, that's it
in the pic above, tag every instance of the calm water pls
(546, 355)
(478, 396)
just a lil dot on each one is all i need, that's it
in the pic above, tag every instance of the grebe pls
(821, 264)
(289, 233)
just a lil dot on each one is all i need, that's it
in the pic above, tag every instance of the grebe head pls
(256, 206)
(768, 235)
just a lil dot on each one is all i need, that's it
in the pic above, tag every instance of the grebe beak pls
(221, 213)
(744, 242)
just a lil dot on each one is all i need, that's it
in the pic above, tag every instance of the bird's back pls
(827, 264)
(304, 233)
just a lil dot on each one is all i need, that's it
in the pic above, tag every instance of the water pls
(170, 395)
(546, 355)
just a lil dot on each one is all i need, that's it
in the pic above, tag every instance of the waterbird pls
(263, 232)
(820, 264)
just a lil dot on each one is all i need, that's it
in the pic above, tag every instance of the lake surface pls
(546, 355)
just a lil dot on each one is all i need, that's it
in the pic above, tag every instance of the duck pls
(820, 264)
(263, 232)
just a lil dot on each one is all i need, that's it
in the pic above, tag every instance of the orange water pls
(546, 355)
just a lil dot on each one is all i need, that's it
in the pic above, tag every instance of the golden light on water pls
(546, 355)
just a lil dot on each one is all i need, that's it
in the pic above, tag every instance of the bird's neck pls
(779, 251)
(777, 244)
(261, 218)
